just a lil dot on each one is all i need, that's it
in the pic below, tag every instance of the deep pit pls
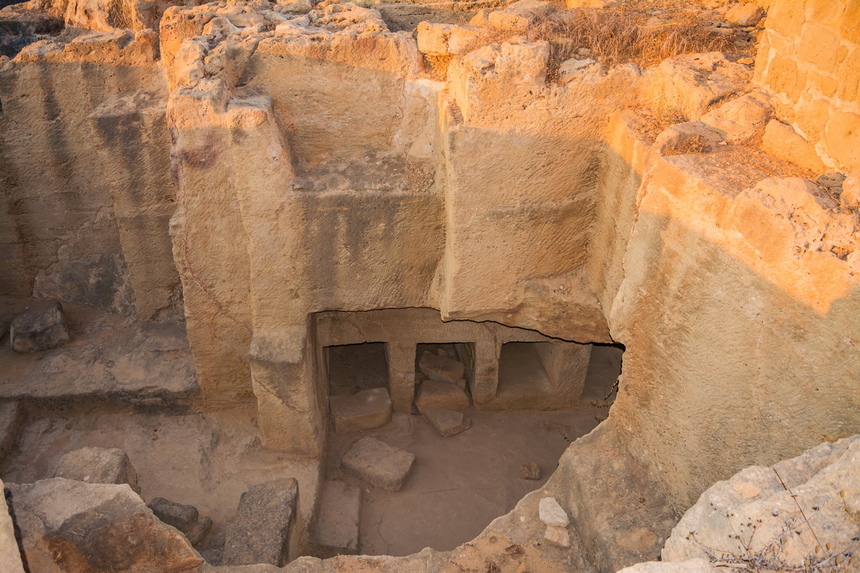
(354, 281)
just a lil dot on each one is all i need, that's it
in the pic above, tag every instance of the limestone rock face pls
(70, 526)
(692, 83)
(98, 465)
(799, 511)
(40, 329)
(259, 532)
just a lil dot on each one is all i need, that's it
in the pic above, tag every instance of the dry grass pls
(618, 36)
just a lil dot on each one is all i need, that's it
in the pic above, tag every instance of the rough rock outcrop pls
(801, 512)
(98, 465)
(70, 526)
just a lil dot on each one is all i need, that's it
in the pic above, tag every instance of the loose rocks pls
(556, 521)
(40, 329)
(530, 471)
(447, 422)
(98, 465)
(185, 518)
(363, 411)
(260, 530)
(378, 464)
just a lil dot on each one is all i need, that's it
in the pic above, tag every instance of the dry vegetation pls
(618, 36)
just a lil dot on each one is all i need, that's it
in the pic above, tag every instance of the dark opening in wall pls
(522, 370)
(352, 368)
(604, 368)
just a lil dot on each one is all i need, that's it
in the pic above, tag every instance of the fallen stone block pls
(78, 527)
(362, 411)
(337, 524)
(183, 517)
(259, 532)
(40, 329)
(378, 464)
(447, 422)
(436, 367)
(436, 395)
(98, 465)
(551, 513)
(530, 471)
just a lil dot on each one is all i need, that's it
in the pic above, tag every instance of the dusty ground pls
(459, 484)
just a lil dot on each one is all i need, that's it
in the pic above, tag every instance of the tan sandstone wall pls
(809, 57)
(85, 195)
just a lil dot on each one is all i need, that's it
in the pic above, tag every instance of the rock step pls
(337, 525)
(378, 464)
(447, 422)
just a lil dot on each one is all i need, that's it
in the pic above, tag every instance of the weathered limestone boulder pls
(98, 465)
(337, 520)
(69, 526)
(693, 82)
(797, 513)
(39, 329)
(438, 395)
(362, 411)
(447, 422)
(378, 463)
(183, 517)
(742, 119)
(439, 39)
(259, 532)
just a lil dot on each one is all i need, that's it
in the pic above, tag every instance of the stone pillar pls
(401, 375)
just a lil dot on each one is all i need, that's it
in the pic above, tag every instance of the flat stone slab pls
(362, 411)
(438, 395)
(442, 368)
(447, 422)
(378, 464)
(259, 532)
(39, 329)
(337, 524)
(147, 364)
(98, 465)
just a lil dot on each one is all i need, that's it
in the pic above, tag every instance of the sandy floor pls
(459, 484)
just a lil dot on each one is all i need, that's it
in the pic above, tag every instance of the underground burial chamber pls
(228, 197)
